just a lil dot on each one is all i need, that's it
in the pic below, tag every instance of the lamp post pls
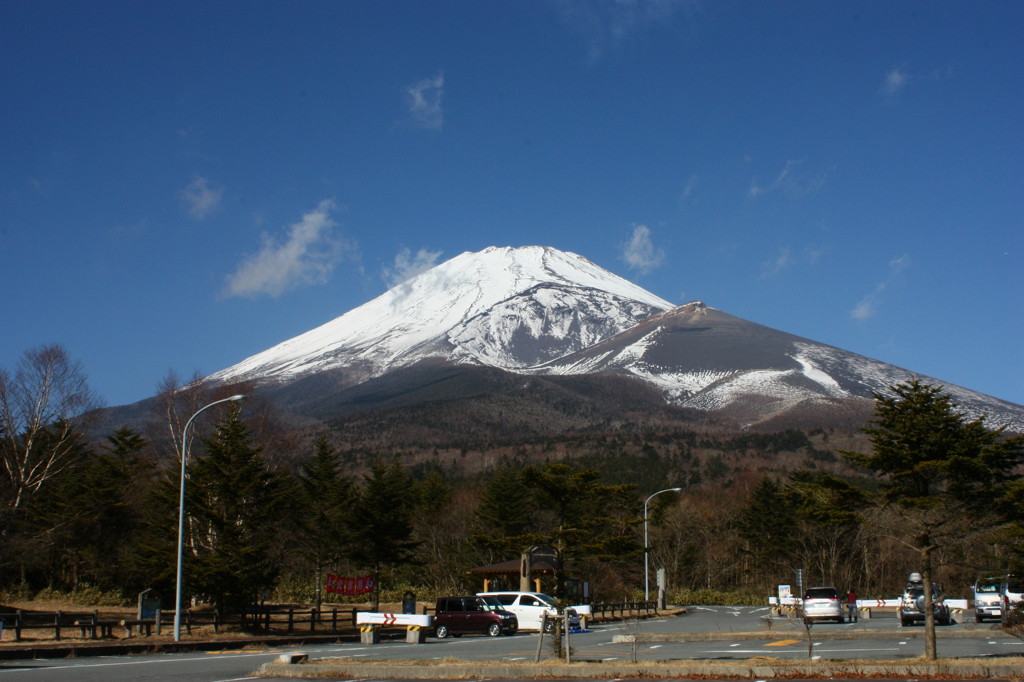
(181, 511)
(647, 591)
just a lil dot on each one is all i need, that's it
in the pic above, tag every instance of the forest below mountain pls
(420, 494)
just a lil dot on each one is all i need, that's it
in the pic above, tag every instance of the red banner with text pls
(339, 585)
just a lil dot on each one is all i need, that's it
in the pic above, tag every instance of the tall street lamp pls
(181, 511)
(647, 591)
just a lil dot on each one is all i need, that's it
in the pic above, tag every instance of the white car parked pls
(823, 603)
(530, 607)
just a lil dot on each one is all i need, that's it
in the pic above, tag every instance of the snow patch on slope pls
(819, 376)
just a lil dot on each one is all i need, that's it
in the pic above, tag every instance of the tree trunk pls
(929, 608)
(376, 589)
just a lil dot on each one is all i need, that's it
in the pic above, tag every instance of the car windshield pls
(1013, 586)
(546, 598)
(492, 604)
(987, 586)
(821, 593)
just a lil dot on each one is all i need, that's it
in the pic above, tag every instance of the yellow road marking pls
(243, 651)
(783, 642)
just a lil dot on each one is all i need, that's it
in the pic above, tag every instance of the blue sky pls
(184, 184)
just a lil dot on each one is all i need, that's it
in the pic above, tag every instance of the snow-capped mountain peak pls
(506, 307)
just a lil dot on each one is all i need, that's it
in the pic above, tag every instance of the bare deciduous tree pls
(40, 406)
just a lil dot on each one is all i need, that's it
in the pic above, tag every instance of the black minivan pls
(472, 615)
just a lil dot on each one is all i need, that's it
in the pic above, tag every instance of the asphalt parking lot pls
(712, 633)
(710, 642)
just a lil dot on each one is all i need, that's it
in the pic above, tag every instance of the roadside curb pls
(755, 669)
(80, 649)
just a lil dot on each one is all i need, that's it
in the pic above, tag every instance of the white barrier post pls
(370, 623)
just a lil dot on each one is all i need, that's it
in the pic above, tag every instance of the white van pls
(988, 602)
(530, 607)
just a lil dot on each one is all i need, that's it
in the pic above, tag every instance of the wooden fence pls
(283, 620)
(270, 620)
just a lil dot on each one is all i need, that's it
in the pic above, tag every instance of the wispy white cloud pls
(688, 188)
(787, 259)
(898, 265)
(424, 100)
(865, 308)
(200, 198)
(895, 81)
(793, 181)
(640, 253)
(868, 306)
(305, 255)
(407, 265)
(781, 262)
(607, 24)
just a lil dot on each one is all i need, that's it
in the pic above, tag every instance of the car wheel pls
(549, 625)
(839, 620)
(493, 630)
(441, 631)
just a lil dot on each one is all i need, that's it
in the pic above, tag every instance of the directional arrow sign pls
(371, 618)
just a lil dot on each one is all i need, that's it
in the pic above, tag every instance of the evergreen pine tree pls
(323, 526)
(940, 474)
(768, 524)
(235, 500)
(382, 519)
(588, 521)
(504, 518)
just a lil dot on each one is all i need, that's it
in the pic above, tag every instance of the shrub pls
(18, 592)
(85, 595)
(707, 597)
(1013, 621)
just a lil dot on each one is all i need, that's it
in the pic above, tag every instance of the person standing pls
(851, 606)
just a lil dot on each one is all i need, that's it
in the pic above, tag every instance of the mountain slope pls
(709, 360)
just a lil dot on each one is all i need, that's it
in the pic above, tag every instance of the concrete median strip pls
(753, 669)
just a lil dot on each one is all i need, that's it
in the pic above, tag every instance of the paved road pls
(786, 641)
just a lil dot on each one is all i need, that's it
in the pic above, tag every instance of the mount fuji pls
(547, 313)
